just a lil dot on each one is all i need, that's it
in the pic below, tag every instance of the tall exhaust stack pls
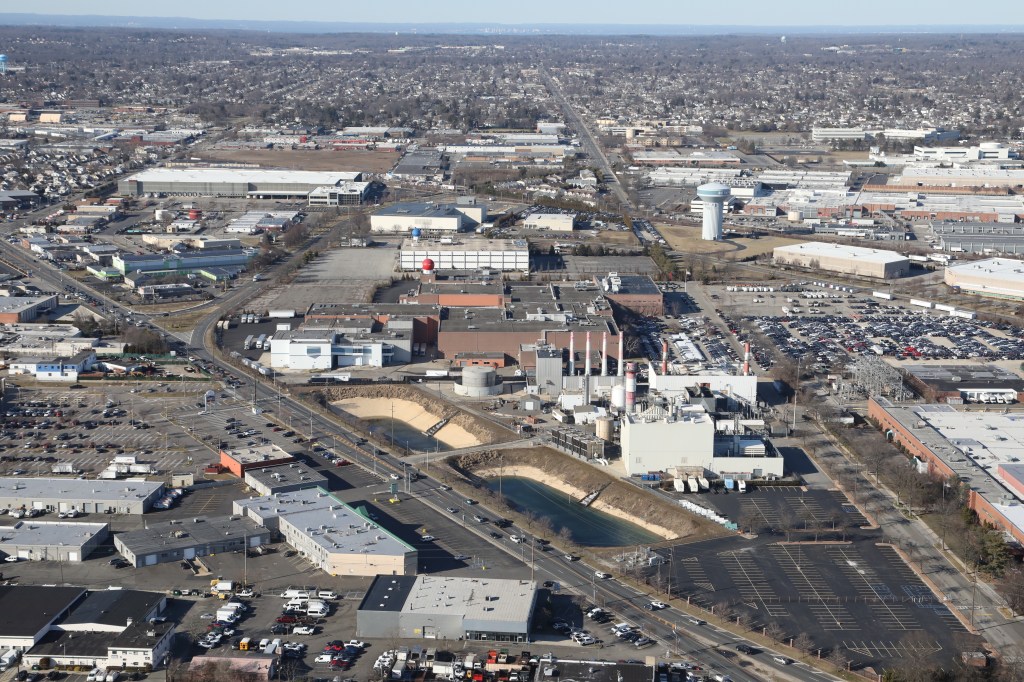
(664, 357)
(631, 387)
(622, 355)
(586, 361)
(604, 354)
(746, 359)
(572, 353)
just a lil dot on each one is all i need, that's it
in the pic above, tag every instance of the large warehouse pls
(995, 277)
(429, 217)
(847, 260)
(132, 496)
(438, 607)
(466, 254)
(255, 183)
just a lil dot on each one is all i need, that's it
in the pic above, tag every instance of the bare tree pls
(774, 631)
(838, 658)
(803, 643)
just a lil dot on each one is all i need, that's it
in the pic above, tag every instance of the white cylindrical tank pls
(794, 216)
(605, 428)
(619, 397)
(478, 377)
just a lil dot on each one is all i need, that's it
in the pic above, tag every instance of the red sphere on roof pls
(428, 265)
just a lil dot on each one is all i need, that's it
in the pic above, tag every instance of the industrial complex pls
(994, 277)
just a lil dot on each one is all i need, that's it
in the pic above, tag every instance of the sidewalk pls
(943, 572)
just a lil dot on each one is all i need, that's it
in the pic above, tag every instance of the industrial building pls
(995, 277)
(432, 219)
(343, 194)
(989, 384)
(466, 253)
(254, 183)
(108, 629)
(15, 309)
(847, 260)
(364, 343)
(664, 439)
(337, 538)
(554, 222)
(447, 608)
(976, 448)
(70, 541)
(241, 460)
(27, 612)
(167, 541)
(183, 263)
(638, 294)
(93, 496)
(283, 478)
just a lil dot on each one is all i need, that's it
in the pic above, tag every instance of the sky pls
(685, 12)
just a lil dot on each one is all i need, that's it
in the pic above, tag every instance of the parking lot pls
(81, 431)
(813, 570)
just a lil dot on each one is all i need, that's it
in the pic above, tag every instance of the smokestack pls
(664, 357)
(586, 361)
(622, 355)
(746, 359)
(630, 387)
(572, 353)
(604, 354)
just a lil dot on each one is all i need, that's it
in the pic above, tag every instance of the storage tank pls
(794, 216)
(605, 428)
(478, 382)
(619, 397)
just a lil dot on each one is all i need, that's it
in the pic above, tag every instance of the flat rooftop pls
(258, 453)
(388, 593)
(419, 210)
(465, 244)
(73, 489)
(473, 598)
(245, 175)
(49, 533)
(603, 671)
(960, 377)
(842, 251)
(16, 304)
(636, 285)
(286, 474)
(339, 529)
(961, 439)
(27, 609)
(284, 503)
(97, 644)
(171, 536)
(1002, 269)
(113, 608)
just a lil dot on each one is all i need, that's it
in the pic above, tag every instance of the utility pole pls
(796, 391)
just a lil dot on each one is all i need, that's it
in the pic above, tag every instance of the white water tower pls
(713, 195)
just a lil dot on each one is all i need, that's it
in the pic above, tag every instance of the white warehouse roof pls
(1006, 270)
(244, 175)
(841, 251)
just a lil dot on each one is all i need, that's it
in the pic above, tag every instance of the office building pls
(241, 460)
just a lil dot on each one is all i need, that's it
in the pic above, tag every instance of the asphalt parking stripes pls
(814, 589)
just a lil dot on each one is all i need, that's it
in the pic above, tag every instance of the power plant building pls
(995, 277)
(848, 260)
(254, 183)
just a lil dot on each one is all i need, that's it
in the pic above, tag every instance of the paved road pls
(669, 628)
(587, 139)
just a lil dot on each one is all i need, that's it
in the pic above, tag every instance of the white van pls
(327, 594)
(298, 601)
(113, 676)
(319, 611)
(263, 644)
(95, 674)
(295, 594)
